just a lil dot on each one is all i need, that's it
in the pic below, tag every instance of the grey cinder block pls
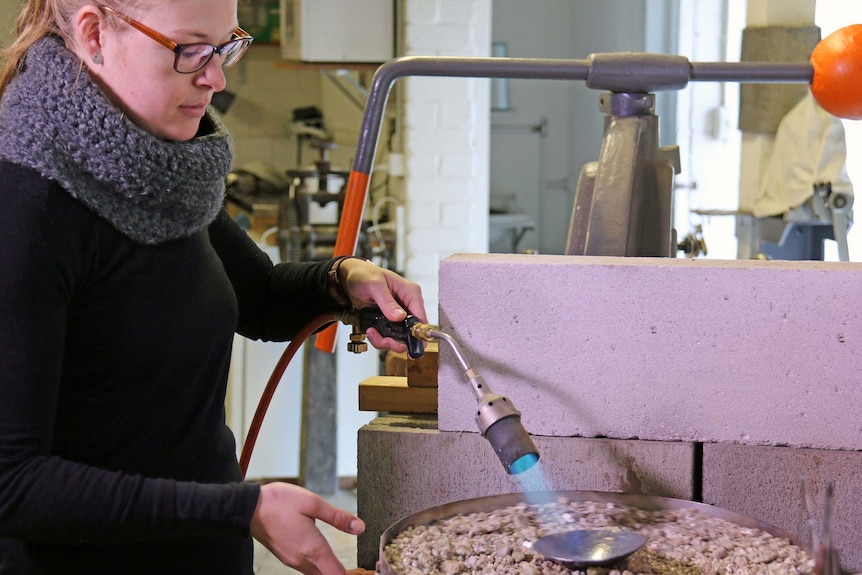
(766, 483)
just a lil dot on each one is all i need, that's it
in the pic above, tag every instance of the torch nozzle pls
(512, 444)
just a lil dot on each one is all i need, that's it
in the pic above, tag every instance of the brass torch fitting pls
(357, 343)
(423, 331)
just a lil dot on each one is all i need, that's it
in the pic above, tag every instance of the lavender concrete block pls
(406, 465)
(766, 483)
(749, 352)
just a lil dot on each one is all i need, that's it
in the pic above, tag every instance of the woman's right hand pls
(283, 522)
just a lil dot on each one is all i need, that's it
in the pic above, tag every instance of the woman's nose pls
(212, 75)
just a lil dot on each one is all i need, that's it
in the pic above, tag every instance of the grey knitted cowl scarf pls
(56, 120)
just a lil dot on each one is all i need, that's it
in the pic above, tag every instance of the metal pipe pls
(452, 345)
(656, 66)
(451, 66)
(753, 72)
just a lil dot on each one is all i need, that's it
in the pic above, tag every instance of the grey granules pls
(679, 542)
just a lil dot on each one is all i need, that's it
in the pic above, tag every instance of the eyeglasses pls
(190, 58)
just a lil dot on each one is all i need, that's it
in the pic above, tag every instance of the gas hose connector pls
(423, 331)
(357, 343)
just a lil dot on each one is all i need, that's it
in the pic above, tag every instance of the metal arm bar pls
(616, 72)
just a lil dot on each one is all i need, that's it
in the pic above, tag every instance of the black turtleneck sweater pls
(114, 453)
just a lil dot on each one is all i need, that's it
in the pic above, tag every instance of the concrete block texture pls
(766, 483)
(406, 465)
(763, 106)
(743, 351)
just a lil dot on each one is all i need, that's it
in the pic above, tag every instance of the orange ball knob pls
(837, 82)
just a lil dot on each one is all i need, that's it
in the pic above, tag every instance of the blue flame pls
(523, 463)
(533, 479)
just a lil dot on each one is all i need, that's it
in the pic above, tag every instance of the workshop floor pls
(343, 544)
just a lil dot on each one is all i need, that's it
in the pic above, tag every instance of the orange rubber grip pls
(345, 241)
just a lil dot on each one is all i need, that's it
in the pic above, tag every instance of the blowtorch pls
(498, 420)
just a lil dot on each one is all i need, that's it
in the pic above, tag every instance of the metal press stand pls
(624, 201)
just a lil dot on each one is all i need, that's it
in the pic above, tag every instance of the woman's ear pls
(87, 34)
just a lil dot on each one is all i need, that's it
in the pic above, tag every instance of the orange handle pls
(345, 241)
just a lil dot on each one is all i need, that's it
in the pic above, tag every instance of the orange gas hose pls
(272, 384)
(345, 242)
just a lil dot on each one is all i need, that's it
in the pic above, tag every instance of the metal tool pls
(584, 548)
(498, 419)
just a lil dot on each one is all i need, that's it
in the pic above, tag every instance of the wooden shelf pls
(391, 394)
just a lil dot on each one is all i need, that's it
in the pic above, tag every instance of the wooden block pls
(423, 371)
(395, 363)
(391, 394)
(420, 372)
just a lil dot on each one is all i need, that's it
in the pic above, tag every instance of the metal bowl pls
(582, 548)
(491, 503)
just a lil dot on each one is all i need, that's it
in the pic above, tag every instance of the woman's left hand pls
(395, 296)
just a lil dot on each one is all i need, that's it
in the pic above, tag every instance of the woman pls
(123, 281)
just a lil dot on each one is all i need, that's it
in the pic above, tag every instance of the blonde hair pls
(40, 18)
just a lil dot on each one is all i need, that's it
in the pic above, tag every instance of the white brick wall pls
(446, 142)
